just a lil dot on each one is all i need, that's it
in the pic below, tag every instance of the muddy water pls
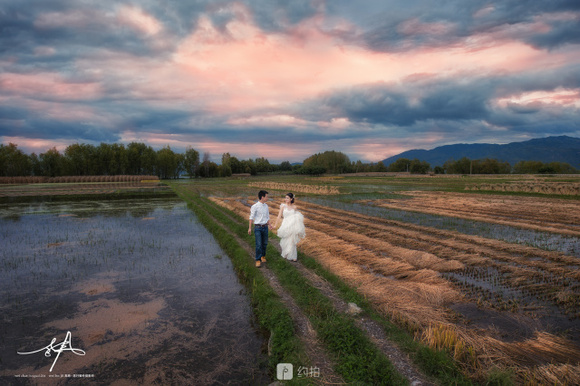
(142, 287)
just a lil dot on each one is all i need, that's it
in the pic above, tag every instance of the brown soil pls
(566, 188)
(398, 267)
(544, 214)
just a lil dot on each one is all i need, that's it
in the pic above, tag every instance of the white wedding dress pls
(291, 232)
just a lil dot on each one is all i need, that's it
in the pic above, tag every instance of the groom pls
(260, 215)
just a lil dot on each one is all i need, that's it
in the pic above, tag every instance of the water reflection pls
(144, 289)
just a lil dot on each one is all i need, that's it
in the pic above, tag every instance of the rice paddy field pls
(490, 277)
(487, 278)
(143, 288)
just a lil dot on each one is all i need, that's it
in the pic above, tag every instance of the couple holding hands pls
(291, 231)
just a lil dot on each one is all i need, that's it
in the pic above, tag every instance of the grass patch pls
(520, 194)
(356, 358)
(436, 364)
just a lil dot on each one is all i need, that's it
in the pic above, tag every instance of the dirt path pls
(371, 328)
(305, 332)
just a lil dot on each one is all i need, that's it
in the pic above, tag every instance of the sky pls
(287, 79)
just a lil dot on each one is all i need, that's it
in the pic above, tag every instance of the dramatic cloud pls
(284, 80)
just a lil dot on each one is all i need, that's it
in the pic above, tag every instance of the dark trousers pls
(261, 234)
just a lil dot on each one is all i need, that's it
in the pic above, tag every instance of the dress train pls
(291, 232)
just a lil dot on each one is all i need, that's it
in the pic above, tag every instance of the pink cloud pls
(245, 68)
(37, 145)
(275, 152)
(368, 151)
(336, 124)
(252, 77)
(560, 96)
(279, 120)
(49, 86)
(58, 111)
(136, 18)
(241, 69)
(486, 10)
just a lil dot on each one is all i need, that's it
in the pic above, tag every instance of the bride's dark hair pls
(291, 197)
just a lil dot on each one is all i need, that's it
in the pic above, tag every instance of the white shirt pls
(260, 213)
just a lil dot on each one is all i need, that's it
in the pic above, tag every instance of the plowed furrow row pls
(399, 232)
(423, 256)
(385, 261)
(473, 251)
(537, 209)
(528, 276)
(526, 222)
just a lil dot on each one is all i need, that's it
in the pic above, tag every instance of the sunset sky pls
(287, 79)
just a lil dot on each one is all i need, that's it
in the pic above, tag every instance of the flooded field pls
(141, 293)
(144, 290)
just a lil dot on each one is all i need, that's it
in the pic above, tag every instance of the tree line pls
(336, 163)
(493, 166)
(140, 159)
(134, 159)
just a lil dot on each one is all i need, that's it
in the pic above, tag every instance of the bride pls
(292, 229)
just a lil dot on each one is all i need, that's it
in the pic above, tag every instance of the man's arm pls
(252, 215)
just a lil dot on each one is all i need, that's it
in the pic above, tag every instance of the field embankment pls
(354, 357)
(560, 188)
(76, 179)
(19, 187)
(491, 304)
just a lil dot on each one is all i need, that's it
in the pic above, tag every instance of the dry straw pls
(536, 213)
(570, 189)
(397, 266)
(77, 179)
(313, 189)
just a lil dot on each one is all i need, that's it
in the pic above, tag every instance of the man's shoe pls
(263, 259)
(258, 264)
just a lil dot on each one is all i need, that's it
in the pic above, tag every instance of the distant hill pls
(550, 149)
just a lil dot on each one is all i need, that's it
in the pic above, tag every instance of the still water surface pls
(143, 288)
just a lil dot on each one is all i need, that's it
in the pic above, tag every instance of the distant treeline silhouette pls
(138, 159)
(117, 159)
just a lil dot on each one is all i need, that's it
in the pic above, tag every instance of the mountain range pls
(550, 149)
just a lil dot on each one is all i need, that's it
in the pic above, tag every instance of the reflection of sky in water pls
(550, 241)
(166, 293)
